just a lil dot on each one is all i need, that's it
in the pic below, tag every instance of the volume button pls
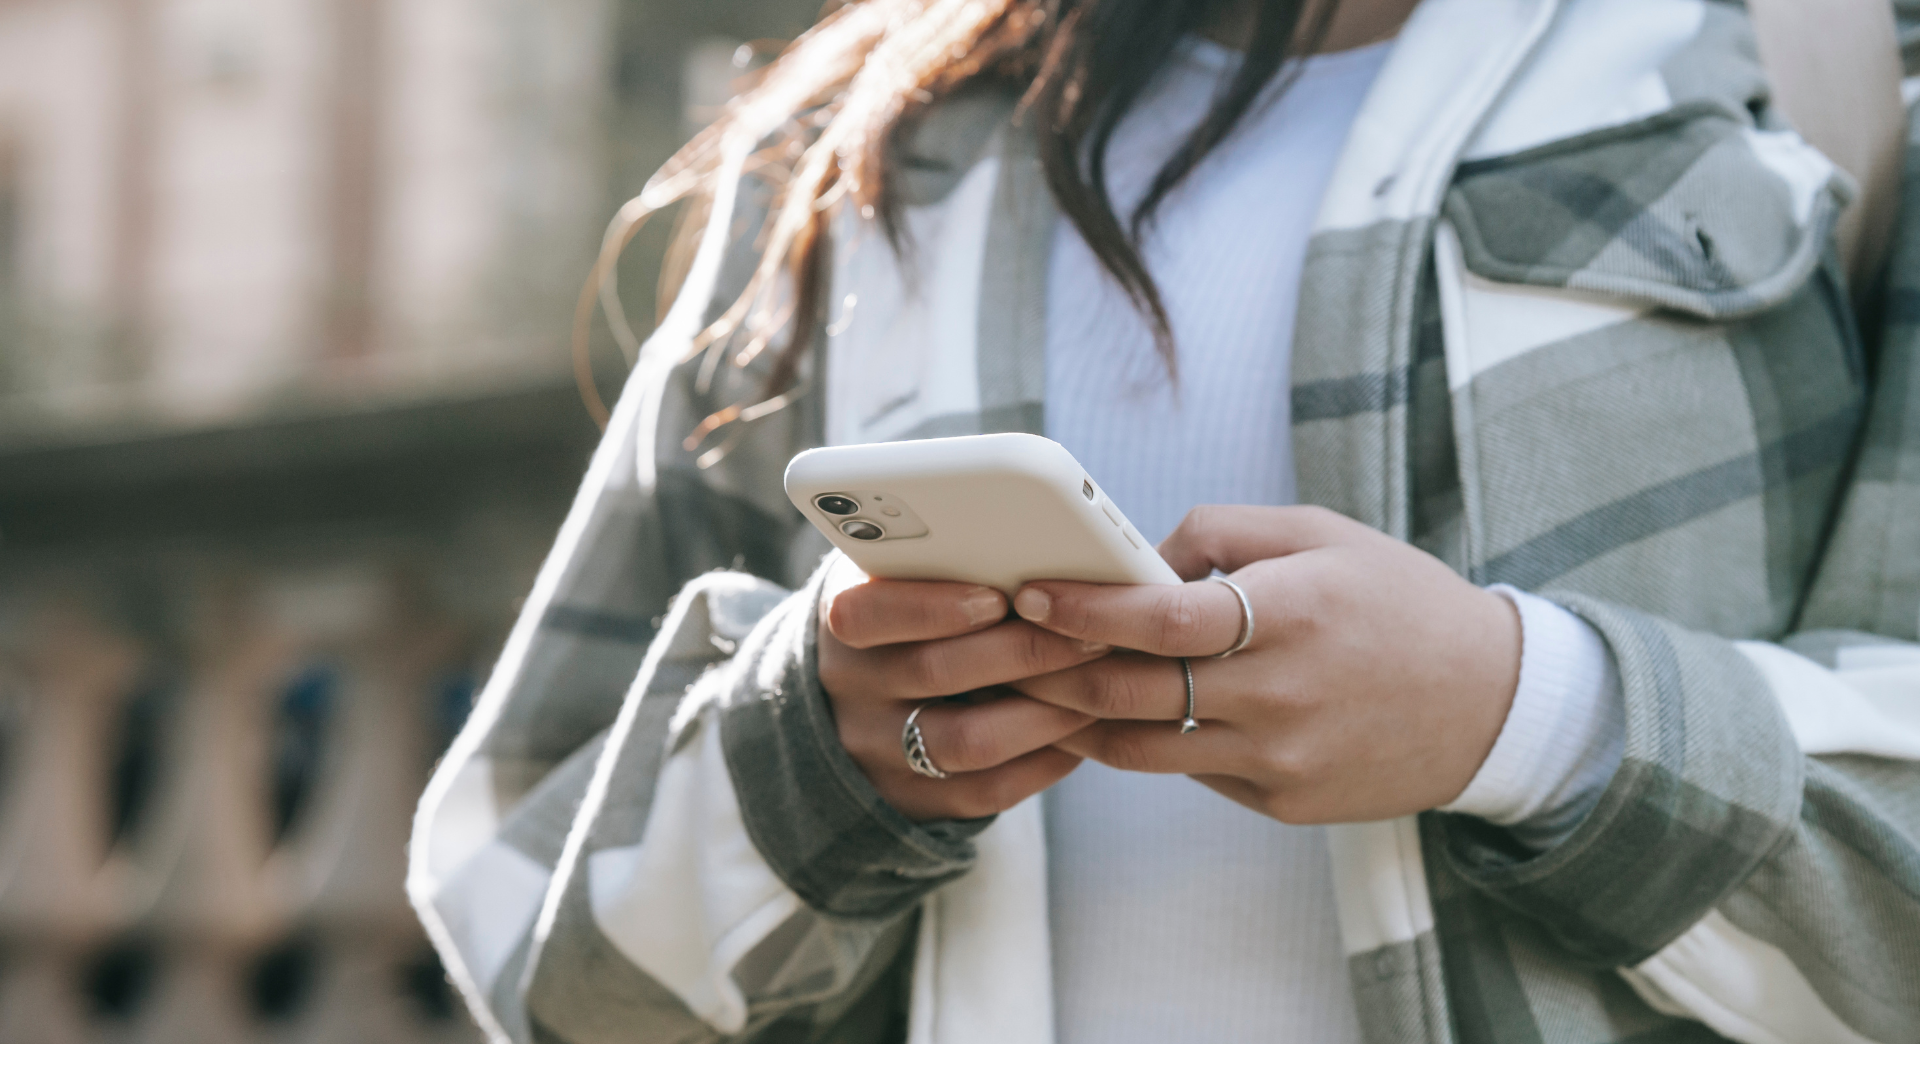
(1113, 516)
(1127, 529)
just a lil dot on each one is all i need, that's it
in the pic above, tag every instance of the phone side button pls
(1131, 539)
(1113, 515)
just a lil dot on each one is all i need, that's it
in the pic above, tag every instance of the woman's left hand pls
(1375, 684)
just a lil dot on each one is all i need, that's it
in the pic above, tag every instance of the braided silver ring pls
(1246, 617)
(915, 747)
(1189, 724)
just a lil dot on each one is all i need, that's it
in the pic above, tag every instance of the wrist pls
(812, 812)
(1563, 732)
(1497, 656)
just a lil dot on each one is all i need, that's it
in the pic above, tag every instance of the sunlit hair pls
(821, 120)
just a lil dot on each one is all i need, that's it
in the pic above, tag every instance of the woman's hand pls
(1375, 685)
(887, 646)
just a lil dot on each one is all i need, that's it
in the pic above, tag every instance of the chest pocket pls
(1654, 382)
(1692, 210)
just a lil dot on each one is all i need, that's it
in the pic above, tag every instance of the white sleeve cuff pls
(1564, 735)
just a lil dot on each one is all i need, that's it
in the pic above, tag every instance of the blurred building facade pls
(286, 425)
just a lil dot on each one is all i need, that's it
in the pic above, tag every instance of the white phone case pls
(997, 510)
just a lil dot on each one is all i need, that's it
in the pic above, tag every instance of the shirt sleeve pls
(1564, 735)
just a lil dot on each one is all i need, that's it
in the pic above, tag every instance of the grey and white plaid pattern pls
(1701, 451)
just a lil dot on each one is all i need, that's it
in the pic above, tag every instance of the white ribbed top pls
(1176, 914)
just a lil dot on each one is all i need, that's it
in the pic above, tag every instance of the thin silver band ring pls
(915, 747)
(1189, 724)
(1246, 617)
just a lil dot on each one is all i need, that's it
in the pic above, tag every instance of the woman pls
(1533, 298)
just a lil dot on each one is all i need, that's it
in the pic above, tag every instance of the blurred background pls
(287, 423)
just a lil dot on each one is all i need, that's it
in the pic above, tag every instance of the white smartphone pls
(996, 510)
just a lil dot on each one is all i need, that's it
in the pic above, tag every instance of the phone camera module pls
(858, 529)
(838, 505)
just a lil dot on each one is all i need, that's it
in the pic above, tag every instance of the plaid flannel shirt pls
(1570, 322)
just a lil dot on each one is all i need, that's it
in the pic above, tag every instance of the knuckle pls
(1106, 693)
(1209, 524)
(1033, 651)
(1283, 762)
(1177, 621)
(1188, 531)
(1289, 698)
(1305, 701)
(924, 670)
(963, 742)
(1292, 762)
(1200, 519)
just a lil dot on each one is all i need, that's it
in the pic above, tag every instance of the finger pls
(889, 611)
(1160, 747)
(1228, 538)
(971, 737)
(1193, 619)
(1137, 687)
(997, 656)
(981, 794)
(1128, 687)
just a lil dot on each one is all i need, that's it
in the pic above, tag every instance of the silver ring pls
(915, 747)
(1189, 724)
(1246, 617)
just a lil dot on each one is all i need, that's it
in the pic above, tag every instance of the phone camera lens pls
(837, 505)
(858, 529)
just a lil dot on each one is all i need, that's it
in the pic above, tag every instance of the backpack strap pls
(1835, 69)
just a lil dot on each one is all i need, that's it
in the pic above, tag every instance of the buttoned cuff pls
(1564, 735)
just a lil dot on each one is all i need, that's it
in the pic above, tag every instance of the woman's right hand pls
(887, 646)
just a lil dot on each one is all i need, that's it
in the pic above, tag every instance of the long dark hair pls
(822, 118)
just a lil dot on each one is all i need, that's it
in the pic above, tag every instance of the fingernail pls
(982, 605)
(1088, 647)
(1033, 603)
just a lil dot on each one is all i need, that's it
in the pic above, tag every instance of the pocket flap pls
(1692, 209)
